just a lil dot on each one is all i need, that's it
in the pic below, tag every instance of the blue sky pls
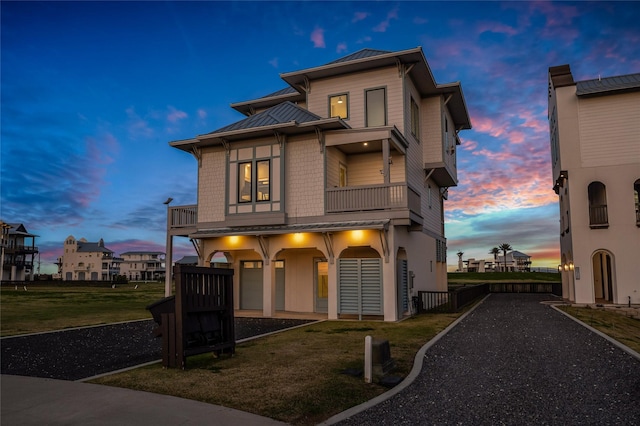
(92, 92)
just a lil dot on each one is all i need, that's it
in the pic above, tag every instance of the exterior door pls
(251, 284)
(321, 285)
(360, 286)
(403, 287)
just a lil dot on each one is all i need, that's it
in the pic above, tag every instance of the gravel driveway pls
(85, 352)
(515, 361)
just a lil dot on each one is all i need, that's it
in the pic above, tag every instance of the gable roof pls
(88, 247)
(286, 94)
(19, 229)
(282, 113)
(360, 54)
(608, 85)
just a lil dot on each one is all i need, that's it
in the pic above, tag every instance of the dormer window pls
(339, 106)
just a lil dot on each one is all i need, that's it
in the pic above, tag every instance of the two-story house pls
(143, 265)
(329, 196)
(595, 154)
(86, 261)
(17, 252)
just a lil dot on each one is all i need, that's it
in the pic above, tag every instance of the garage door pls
(251, 284)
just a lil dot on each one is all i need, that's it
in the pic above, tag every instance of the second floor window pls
(253, 181)
(415, 119)
(597, 205)
(339, 106)
(376, 108)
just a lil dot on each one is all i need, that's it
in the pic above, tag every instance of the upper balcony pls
(182, 220)
(363, 198)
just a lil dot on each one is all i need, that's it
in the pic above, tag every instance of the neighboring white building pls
(87, 261)
(516, 262)
(595, 154)
(143, 265)
(329, 195)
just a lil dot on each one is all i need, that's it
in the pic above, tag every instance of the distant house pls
(188, 261)
(143, 265)
(86, 261)
(328, 196)
(595, 156)
(516, 262)
(18, 251)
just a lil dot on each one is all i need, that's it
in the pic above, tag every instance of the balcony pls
(372, 197)
(183, 216)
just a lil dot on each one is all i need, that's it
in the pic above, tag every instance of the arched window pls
(636, 198)
(598, 217)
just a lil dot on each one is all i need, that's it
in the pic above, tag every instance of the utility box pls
(381, 357)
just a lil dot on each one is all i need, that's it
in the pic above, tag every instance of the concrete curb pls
(601, 334)
(415, 371)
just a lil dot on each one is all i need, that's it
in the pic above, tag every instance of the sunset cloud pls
(317, 37)
(382, 26)
(359, 16)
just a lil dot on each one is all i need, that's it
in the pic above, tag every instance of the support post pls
(368, 360)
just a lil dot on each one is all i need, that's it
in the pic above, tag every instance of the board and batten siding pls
(609, 130)
(432, 211)
(364, 169)
(355, 86)
(335, 157)
(211, 185)
(414, 163)
(304, 178)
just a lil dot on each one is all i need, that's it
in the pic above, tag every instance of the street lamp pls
(168, 259)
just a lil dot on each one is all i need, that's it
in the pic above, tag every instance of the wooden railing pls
(369, 197)
(183, 216)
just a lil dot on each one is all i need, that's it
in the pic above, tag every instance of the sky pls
(93, 92)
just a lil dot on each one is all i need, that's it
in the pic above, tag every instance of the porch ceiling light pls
(298, 237)
(357, 235)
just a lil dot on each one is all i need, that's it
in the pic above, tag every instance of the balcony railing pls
(371, 197)
(19, 248)
(183, 216)
(598, 217)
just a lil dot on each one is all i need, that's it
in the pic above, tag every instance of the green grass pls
(48, 307)
(294, 376)
(487, 277)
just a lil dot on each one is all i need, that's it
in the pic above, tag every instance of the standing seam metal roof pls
(608, 84)
(278, 114)
(364, 53)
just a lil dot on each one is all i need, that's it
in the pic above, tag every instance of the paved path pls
(515, 361)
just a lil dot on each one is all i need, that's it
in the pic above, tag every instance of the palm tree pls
(505, 247)
(495, 252)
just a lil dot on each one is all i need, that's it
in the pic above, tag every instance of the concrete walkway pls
(36, 401)
(514, 361)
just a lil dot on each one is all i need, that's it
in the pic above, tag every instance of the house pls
(18, 251)
(516, 262)
(143, 265)
(329, 195)
(595, 155)
(86, 261)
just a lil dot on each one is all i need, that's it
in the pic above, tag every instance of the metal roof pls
(19, 229)
(286, 229)
(285, 112)
(360, 54)
(608, 85)
(87, 247)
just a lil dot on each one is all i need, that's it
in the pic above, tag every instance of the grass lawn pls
(49, 307)
(294, 376)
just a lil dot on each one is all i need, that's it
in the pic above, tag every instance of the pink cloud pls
(317, 37)
(202, 114)
(382, 26)
(365, 39)
(359, 16)
(174, 115)
(496, 27)
(274, 62)
(342, 47)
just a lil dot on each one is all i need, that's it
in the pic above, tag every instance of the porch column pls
(168, 260)
(390, 289)
(385, 161)
(332, 302)
(268, 289)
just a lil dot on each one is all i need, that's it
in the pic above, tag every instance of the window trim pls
(366, 106)
(241, 181)
(337, 95)
(415, 119)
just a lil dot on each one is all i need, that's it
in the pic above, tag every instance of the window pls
(376, 114)
(597, 205)
(415, 119)
(339, 106)
(246, 179)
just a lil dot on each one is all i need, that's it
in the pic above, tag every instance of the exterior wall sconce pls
(559, 268)
(571, 266)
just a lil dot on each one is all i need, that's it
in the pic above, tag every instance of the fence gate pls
(360, 287)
